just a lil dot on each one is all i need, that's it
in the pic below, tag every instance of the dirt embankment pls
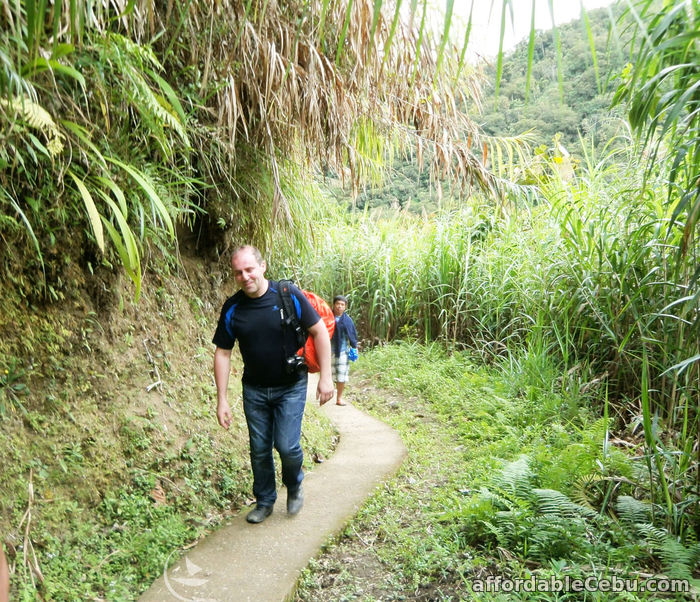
(107, 408)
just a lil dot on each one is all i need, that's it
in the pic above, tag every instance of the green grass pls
(590, 292)
(506, 475)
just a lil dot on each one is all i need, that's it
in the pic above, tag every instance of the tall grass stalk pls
(588, 277)
(650, 438)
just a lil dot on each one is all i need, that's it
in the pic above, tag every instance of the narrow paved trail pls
(262, 563)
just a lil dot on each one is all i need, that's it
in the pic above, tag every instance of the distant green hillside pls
(406, 187)
(580, 104)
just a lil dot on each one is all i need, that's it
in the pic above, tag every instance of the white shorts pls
(340, 367)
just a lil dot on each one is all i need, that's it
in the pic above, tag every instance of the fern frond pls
(493, 529)
(679, 561)
(157, 106)
(580, 489)
(137, 63)
(555, 503)
(553, 536)
(31, 112)
(142, 52)
(516, 478)
(654, 536)
(38, 118)
(633, 511)
(503, 499)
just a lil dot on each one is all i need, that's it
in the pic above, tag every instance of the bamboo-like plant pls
(55, 97)
(662, 92)
(330, 83)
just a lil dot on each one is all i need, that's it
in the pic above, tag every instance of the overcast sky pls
(486, 22)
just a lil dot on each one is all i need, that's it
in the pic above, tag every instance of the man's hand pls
(223, 413)
(324, 390)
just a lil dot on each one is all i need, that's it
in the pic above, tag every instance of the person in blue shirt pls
(344, 339)
(274, 386)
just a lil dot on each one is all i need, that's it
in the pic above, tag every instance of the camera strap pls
(288, 316)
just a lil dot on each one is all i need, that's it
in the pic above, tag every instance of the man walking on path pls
(274, 385)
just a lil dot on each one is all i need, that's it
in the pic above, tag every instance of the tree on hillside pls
(543, 112)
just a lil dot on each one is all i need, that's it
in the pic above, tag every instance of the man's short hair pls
(254, 250)
(342, 298)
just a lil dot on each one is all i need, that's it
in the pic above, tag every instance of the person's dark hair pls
(342, 298)
(254, 250)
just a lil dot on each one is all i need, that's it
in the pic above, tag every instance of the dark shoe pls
(259, 514)
(295, 500)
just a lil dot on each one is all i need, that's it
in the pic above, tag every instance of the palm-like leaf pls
(662, 91)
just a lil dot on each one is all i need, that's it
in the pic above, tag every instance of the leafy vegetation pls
(508, 476)
(563, 301)
(134, 133)
(661, 90)
(568, 102)
(584, 303)
(112, 460)
(586, 275)
(134, 127)
(557, 102)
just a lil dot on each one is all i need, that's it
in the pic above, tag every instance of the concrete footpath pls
(261, 563)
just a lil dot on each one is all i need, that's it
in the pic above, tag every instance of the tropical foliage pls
(662, 92)
(571, 101)
(586, 273)
(129, 127)
(598, 276)
(515, 477)
(133, 118)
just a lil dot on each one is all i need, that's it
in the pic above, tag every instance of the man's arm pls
(324, 391)
(222, 369)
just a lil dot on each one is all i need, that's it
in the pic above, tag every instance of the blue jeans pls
(274, 416)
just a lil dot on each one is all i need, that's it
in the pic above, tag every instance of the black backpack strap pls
(289, 313)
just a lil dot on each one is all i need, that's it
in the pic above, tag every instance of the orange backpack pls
(307, 348)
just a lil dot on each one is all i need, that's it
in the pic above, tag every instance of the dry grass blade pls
(288, 91)
(29, 555)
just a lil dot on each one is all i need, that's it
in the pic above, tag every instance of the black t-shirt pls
(257, 326)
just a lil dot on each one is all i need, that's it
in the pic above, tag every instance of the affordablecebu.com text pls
(574, 584)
